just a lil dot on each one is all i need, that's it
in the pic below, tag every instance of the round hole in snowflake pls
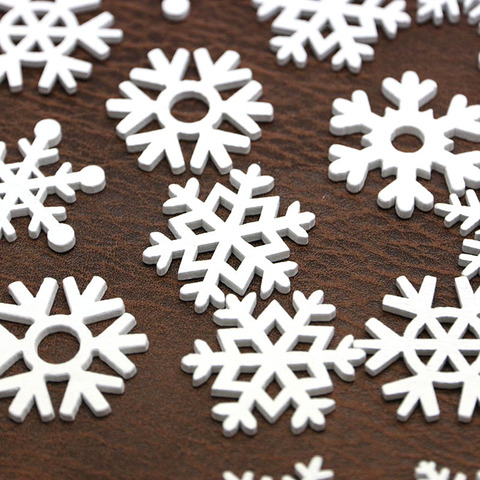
(191, 109)
(408, 139)
(58, 347)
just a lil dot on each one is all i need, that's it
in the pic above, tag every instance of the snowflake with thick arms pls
(429, 471)
(346, 27)
(176, 10)
(112, 346)
(434, 346)
(24, 188)
(312, 471)
(436, 134)
(45, 33)
(269, 362)
(234, 236)
(241, 109)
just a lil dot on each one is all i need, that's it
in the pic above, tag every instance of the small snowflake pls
(435, 346)
(428, 471)
(176, 10)
(282, 362)
(326, 26)
(44, 34)
(312, 471)
(241, 110)
(233, 237)
(405, 192)
(112, 346)
(24, 188)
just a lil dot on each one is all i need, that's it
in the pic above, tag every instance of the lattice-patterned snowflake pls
(346, 27)
(312, 471)
(409, 95)
(283, 362)
(429, 471)
(45, 33)
(436, 347)
(240, 109)
(258, 244)
(24, 188)
(176, 10)
(112, 346)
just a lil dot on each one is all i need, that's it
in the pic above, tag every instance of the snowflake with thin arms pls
(346, 27)
(440, 346)
(112, 346)
(38, 34)
(258, 244)
(284, 362)
(379, 132)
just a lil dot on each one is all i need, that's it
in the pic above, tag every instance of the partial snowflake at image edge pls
(436, 10)
(434, 347)
(378, 133)
(199, 230)
(24, 188)
(167, 80)
(45, 34)
(312, 471)
(346, 27)
(429, 471)
(267, 361)
(112, 346)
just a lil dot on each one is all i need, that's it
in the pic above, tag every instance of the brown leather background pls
(161, 427)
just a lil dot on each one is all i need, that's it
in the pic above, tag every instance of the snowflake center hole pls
(191, 109)
(408, 139)
(58, 347)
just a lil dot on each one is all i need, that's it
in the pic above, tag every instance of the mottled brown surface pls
(161, 427)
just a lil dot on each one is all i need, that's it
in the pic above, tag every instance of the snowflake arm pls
(454, 212)
(230, 237)
(436, 9)
(176, 10)
(429, 471)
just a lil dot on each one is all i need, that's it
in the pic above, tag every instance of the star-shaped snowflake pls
(346, 27)
(283, 362)
(440, 346)
(436, 134)
(257, 244)
(45, 34)
(240, 109)
(24, 188)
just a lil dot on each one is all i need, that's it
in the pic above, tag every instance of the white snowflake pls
(240, 109)
(436, 134)
(283, 362)
(434, 346)
(312, 471)
(176, 10)
(436, 9)
(233, 237)
(428, 471)
(24, 188)
(45, 33)
(112, 346)
(346, 27)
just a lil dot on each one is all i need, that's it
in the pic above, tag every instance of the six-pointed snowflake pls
(176, 10)
(24, 188)
(44, 34)
(428, 471)
(405, 192)
(435, 346)
(112, 346)
(346, 27)
(312, 471)
(233, 237)
(241, 109)
(283, 362)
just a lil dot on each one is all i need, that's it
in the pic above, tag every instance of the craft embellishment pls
(112, 346)
(429, 471)
(240, 109)
(284, 362)
(346, 27)
(176, 10)
(312, 471)
(40, 34)
(24, 188)
(437, 346)
(256, 244)
(436, 134)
